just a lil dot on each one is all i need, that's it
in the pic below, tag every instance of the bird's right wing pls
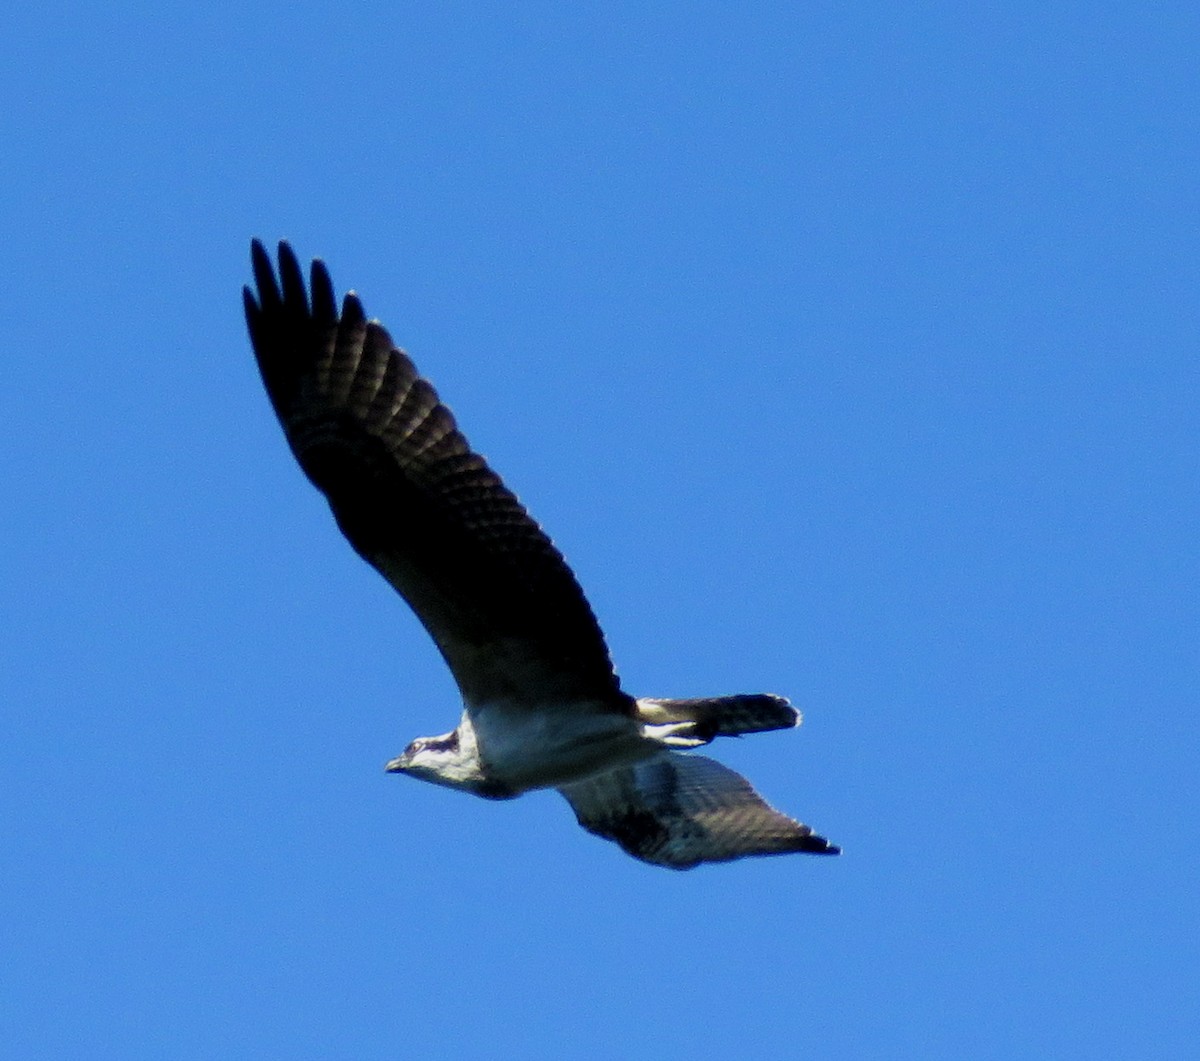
(678, 810)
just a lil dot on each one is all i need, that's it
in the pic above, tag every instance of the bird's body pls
(502, 749)
(542, 704)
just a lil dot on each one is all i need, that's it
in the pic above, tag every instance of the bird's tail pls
(691, 723)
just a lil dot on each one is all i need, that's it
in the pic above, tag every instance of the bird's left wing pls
(417, 503)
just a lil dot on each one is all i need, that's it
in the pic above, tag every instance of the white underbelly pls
(538, 748)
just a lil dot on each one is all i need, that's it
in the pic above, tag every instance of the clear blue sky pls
(847, 353)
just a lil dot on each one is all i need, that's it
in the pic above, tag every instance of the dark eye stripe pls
(442, 744)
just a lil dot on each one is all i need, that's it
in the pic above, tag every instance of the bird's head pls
(428, 758)
(448, 760)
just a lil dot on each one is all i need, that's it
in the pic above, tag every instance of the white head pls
(436, 759)
(451, 760)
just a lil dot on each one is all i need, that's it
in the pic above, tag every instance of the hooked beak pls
(396, 766)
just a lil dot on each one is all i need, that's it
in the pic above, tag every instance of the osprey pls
(542, 704)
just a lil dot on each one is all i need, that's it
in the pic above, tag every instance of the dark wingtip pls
(290, 286)
(324, 302)
(292, 278)
(264, 274)
(818, 845)
(259, 257)
(252, 308)
(352, 310)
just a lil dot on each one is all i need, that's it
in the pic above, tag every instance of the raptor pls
(543, 707)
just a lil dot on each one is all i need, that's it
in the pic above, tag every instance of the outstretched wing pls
(417, 503)
(678, 810)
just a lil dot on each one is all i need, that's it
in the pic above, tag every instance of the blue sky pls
(847, 353)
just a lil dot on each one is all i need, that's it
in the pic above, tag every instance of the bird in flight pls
(542, 704)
